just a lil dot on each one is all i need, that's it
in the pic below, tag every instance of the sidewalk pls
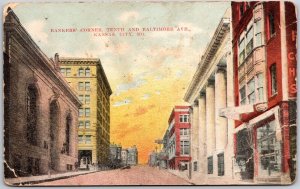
(198, 179)
(43, 178)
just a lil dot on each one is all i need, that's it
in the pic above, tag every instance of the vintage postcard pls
(150, 93)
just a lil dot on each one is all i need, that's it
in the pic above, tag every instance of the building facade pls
(124, 157)
(87, 77)
(41, 110)
(115, 156)
(132, 156)
(264, 49)
(211, 90)
(178, 147)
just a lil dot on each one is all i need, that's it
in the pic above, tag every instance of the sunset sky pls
(148, 75)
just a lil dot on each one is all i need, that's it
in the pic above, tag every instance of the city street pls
(136, 175)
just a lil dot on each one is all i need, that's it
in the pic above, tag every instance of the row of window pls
(246, 42)
(85, 98)
(81, 72)
(253, 91)
(84, 112)
(184, 118)
(184, 147)
(84, 86)
(184, 131)
(84, 139)
(210, 165)
(84, 124)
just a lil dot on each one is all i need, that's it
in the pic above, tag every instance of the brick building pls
(264, 49)
(178, 147)
(40, 109)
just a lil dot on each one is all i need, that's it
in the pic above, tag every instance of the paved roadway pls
(136, 175)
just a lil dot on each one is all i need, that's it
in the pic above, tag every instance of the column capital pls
(210, 82)
(202, 94)
(221, 69)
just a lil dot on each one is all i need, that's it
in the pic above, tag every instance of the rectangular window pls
(87, 124)
(68, 71)
(269, 150)
(221, 164)
(88, 139)
(87, 99)
(258, 33)
(184, 131)
(273, 75)
(87, 72)
(80, 72)
(87, 112)
(80, 139)
(80, 86)
(80, 97)
(260, 87)
(241, 51)
(251, 91)
(243, 96)
(184, 118)
(80, 124)
(210, 165)
(195, 166)
(184, 147)
(249, 37)
(63, 71)
(271, 25)
(80, 112)
(87, 86)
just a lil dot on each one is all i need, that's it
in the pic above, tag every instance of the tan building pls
(86, 76)
(40, 108)
(210, 91)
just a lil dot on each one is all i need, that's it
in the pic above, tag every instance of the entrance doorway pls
(85, 159)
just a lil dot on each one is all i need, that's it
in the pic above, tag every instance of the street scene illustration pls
(150, 93)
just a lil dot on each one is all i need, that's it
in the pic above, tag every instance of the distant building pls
(178, 147)
(40, 108)
(115, 156)
(124, 156)
(152, 159)
(132, 158)
(87, 77)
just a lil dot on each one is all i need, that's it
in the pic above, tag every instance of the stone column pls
(202, 134)
(210, 118)
(195, 133)
(220, 102)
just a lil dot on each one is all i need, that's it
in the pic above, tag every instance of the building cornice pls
(12, 26)
(208, 56)
(87, 62)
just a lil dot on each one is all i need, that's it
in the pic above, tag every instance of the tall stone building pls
(209, 92)
(87, 77)
(40, 108)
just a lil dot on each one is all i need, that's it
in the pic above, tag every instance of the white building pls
(211, 90)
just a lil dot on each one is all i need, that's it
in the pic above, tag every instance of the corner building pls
(178, 147)
(264, 49)
(40, 108)
(87, 77)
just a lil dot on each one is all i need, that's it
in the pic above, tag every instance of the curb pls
(21, 183)
(182, 178)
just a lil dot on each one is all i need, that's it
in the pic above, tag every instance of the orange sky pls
(148, 74)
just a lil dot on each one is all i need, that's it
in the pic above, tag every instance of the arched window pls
(31, 133)
(68, 132)
(54, 111)
(87, 72)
